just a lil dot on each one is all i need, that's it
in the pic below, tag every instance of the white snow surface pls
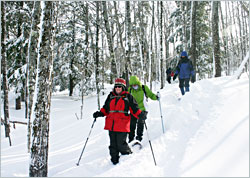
(206, 134)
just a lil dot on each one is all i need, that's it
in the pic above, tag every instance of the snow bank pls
(207, 134)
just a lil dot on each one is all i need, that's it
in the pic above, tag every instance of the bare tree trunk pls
(42, 102)
(27, 85)
(128, 41)
(225, 39)
(167, 33)
(244, 46)
(232, 53)
(193, 34)
(85, 58)
(72, 60)
(151, 46)
(240, 32)
(124, 69)
(161, 47)
(19, 83)
(143, 39)
(157, 45)
(237, 47)
(184, 29)
(4, 71)
(154, 72)
(110, 43)
(216, 44)
(119, 26)
(97, 54)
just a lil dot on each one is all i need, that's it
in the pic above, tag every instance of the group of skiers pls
(125, 109)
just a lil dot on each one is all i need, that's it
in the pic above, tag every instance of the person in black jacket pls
(185, 70)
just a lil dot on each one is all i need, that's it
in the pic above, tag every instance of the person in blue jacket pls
(185, 70)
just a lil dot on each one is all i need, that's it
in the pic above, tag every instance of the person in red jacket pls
(117, 109)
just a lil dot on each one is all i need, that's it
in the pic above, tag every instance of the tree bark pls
(216, 44)
(161, 46)
(42, 102)
(97, 72)
(193, 34)
(110, 42)
(19, 60)
(128, 42)
(29, 90)
(72, 60)
(225, 39)
(4, 72)
(152, 76)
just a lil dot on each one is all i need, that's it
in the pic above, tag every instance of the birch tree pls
(128, 41)
(152, 58)
(30, 66)
(97, 70)
(4, 71)
(161, 46)
(110, 42)
(42, 102)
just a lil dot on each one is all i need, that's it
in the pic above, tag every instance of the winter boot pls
(182, 91)
(115, 160)
(130, 140)
(139, 138)
(127, 153)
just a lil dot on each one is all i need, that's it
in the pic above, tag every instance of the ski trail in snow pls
(216, 146)
(181, 128)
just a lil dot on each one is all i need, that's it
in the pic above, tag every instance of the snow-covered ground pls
(206, 134)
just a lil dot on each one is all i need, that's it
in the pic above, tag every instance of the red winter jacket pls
(117, 109)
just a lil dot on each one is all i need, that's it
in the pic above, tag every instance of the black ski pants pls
(184, 82)
(140, 127)
(118, 144)
(169, 79)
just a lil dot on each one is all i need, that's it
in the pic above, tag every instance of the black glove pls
(169, 79)
(193, 79)
(143, 115)
(175, 75)
(158, 96)
(98, 114)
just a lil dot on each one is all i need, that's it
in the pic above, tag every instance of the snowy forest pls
(80, 46)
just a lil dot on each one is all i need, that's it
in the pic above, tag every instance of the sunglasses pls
(118, 86)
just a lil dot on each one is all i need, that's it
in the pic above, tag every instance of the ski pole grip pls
(158, 94)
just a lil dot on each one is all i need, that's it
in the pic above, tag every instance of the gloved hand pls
(98, 114)
(143, 115)
(193, 79)
(175, 75)
(158, 96)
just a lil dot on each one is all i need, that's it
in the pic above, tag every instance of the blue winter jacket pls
(184, 68)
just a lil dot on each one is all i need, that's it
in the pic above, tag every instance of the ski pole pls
(160, 112)
(86, 142)
(150, 142)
